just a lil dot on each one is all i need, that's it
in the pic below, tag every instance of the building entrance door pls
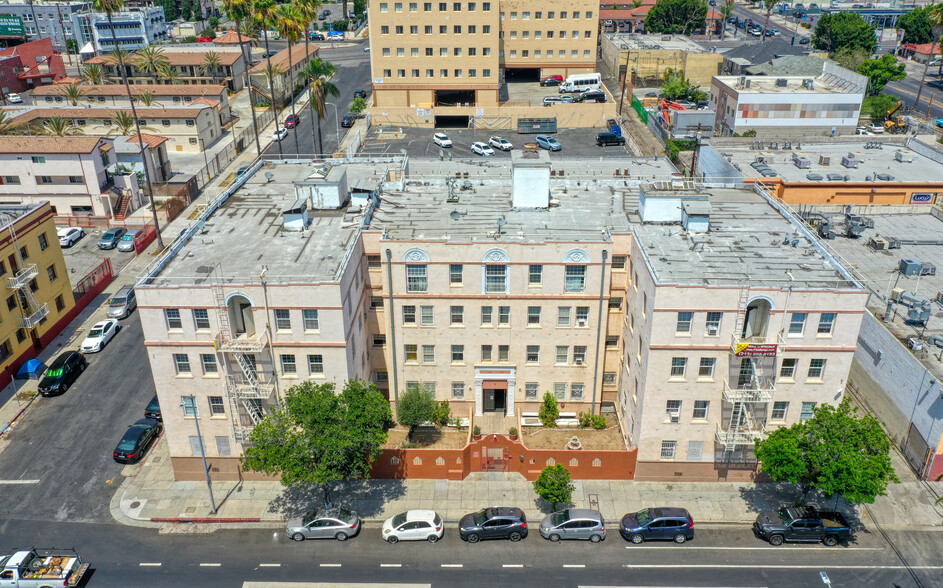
(496, 399)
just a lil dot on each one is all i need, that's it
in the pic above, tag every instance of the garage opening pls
(454, 97)
(452, 122)
(523, 74)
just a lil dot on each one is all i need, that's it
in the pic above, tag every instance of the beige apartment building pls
(699, 317)
(187, 61)
(442, 63)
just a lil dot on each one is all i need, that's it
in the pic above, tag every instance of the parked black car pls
(136, 441)
(153, 410)
(360, 93)
(62, 373)
(499, 522)
(111, 237)
(347, 121)
(609, 139)
(664, 523)
(801, 524)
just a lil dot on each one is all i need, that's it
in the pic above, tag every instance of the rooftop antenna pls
(501, 223)
(269, 176)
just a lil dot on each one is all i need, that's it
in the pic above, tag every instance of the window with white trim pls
(559, 390)
(684, 321)
(678, 366)
(700, 409)
(826, 323)
(673, 411)
(807, 411)
(797, 323)
(779, 411)
(575, 278)
(530, 390)
(426, 316)
(458, 390)
(282, 319)
(668, 449)
(310, 317)
(816, 369)
(496, 278)
(533, 353)
(706, 369)
(416, 280)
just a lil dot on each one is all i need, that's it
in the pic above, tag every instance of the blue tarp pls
(31, 370)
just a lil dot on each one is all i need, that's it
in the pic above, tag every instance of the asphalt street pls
(353, 72)
(759, 17)
(57, 465)
(907, 88)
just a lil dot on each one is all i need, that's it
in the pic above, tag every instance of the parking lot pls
(418, 142)
(85, 255)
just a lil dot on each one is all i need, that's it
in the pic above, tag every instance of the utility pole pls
(189, 403)
(923, 78)
(624, 78)
(697, 145)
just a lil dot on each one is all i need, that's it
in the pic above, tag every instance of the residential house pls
(286, 78)
(187, 61)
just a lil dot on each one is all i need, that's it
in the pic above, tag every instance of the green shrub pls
(549, 411)
(441, 413)
(599, 422)
(512, 431)
(554, 486)
(586, 420)
(415, 406)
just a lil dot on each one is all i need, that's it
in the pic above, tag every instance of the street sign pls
(825, 579)
(11, 25)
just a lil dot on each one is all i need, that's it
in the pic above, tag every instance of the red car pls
(292, 121)
(551, 81)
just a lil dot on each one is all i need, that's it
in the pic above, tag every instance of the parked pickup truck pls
(38, 568)
(801, 524)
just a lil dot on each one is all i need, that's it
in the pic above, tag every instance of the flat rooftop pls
(640, 42)
(794, 85)
(874, 164)
(745, 242)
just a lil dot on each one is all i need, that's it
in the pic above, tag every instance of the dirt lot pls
(541, 438)
(444, 438)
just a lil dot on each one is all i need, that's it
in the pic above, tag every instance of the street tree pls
(768, 5)
(680, 17)
(56, 126)
(416, 406)
(879, 105)
(850, 58)
(317, 75)
(240, 11)
(835, 452)
(916, 25)
(881, 72)
(843, 29)
(676, 87)
(72, 92)
(554, 485)
(358, 105)
(317, 436)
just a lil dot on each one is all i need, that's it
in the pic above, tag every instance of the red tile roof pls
(149, 140)
(231, 38)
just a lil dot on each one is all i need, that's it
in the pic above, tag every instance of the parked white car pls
(414, 525)
(875, 128)
(442, 140)
(480, 148)
(100, 335)
(499, 143)
(69, 236)
(280, 134)
(14, 98)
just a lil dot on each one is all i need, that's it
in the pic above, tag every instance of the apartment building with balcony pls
(187, 61)
(443, 63)
(284, 73)
(36, 286)
(133, 29)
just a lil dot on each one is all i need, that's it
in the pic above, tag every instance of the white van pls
(581, 83)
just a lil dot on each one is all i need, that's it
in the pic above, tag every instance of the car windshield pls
(117, 301)
(130, 439)
(558, 518)
(128, 237)
(480, 518)
(344, 514)
(399, 519)
(95, 333)
(643, 516)
(437, 521)
(784, 516)
(310, 516)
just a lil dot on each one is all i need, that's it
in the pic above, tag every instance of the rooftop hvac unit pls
(896, 293)
(927, 269)
(801, 162)
(878, 243)
(824, 159)
(781, 82)
(742, 81)
(747, 83)
(850, 161)
(808, 84)
(909, 267)
(903, 157)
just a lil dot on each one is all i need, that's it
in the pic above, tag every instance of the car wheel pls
(392, 539)
(515, 536)
(680, 538)
(554, 537)
(595, 538)
(776, 540)
(432, 538)
(473, 538)
(64, 388)
(830, 540)
(637, 539)
(298, 537)
(341, 536)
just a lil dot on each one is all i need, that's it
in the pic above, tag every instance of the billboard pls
(11, 26)
(756, 350)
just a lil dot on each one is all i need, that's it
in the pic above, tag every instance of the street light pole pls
(190, 402)
(337, 129)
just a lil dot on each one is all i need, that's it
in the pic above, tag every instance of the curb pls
(16, 417)
(203, 520)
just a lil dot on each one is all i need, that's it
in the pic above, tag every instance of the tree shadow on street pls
(366, 497)
(772, 496)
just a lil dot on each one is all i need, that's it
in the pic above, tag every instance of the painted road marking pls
(210, 565)
(768, 548)
(574, 565)
(262, 565)
(784, 567)
(19, 481)
(513, 565)
(150, 565)
(452, 565)
(330, 565)
(391, 565)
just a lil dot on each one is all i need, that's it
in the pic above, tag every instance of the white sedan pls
(499, 143)
(442, 140)
(14, 99)
(482, 148)
(69, 236)
(414, 525)
(280, 134)
(100, 335)
(875, 128)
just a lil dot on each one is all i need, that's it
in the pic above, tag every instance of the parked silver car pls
(122, 303)
(573, 523)
(330, 523)
(126, 243)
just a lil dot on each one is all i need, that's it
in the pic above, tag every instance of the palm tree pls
(241, 12)
(94, 74)
(248, 30)
(265, 16)
(211, 63)
(318, 77)
(7, 126)
(56, 126)
(150, 59)
(727, 11)
(768, 4)
(169, 74)
(73, 93)
(308, 13)
(124, 125)
(290, 27)
(147, 98)
(110, 7)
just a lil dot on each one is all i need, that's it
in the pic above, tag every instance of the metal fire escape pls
(246, 389)
(32, 311)
(749, 388)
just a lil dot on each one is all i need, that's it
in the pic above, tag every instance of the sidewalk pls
(151, 498)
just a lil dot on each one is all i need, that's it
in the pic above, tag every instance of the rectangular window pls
(496, 278)
(826, 323)
(51, 273)
(411, 352)
(673, 411)
(282, 319)
(310, 315)
(563, 355)
(208, 360)
(11, 180)
(409, 315)
(683, 324)
(223, 447)
(504, 315)
(458, 353)
(458, 390)
(486, 5)
(173, 318)
(455, 273)
(379, 340)
(196, 444)
(575, 278)
(678, 365)
(535, 275)
(700, 409)
(486, 353)
(807, 411)
(182, 363)
(315, 364)
(288, 364)
(609, 378)
(217, 407)
(797, 323)
(582, 316)
(533, 315)
(713, 322)
(201, 319)
(43, 243)
(615, 303)
(416, 278)
(530, 390)
(706, 369)
(504, 353)
(38, 159)
(60, 305)
(559, 390)
(486, 315)
(612, 340)
(576, 391)
(788, 369)
(563, 316)
(779, 411)
(426, 316)
(668, 449)
(428, 354)
(816, 369)
(533, 353)
(457, 314)
(579, 354)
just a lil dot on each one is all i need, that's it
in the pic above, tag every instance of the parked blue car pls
(548, 142)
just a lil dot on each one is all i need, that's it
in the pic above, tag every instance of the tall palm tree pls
(93, 73)
(291, 28)
(169, 74)
(318, 77)
(250, 32)
(308, 13)
(727, 11)
(110, 8)
(211, 63)
(124, 125)
(768, 4)
(264, 16)
(72, 92)
(241, 12)
(56, 126)
(150, 59)
(147, 98)
(7, 126)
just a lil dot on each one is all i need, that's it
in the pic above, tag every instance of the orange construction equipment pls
(669, 105)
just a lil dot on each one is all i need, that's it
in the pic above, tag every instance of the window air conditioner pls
(712, 330)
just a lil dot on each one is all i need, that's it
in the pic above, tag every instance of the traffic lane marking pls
(150, 565)
(784, 567)
(210, 565)
(329, 565)
(767, 548)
